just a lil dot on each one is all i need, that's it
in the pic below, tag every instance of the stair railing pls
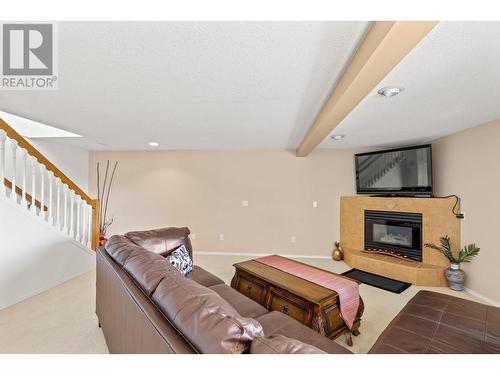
(30, 180)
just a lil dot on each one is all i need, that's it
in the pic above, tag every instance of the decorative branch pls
(103, 193)
(107, 195)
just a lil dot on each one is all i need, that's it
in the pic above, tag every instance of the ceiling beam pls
(384, 46)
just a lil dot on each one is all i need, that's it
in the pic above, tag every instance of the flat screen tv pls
(402, 171)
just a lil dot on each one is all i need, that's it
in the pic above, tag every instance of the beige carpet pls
(62, 320)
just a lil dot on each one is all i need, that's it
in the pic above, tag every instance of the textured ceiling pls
(230, 85)
(190, 85)
(451, 82)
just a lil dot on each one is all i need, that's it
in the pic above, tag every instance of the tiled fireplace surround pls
(437, 221)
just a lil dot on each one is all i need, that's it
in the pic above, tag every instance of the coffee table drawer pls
(251, 288)
(288, 304)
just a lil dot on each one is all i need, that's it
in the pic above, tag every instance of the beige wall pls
(204, 190)
(468, 164)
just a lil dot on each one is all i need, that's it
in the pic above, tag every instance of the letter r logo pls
(27, 49)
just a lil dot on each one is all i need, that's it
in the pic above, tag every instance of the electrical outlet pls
(315, 204)
(293, 239)
(244, 203)
(221, 237)
(193, 236)
(463, 215)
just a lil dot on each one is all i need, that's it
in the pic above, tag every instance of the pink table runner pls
(347, 290)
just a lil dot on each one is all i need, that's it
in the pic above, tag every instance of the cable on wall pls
(456, 207)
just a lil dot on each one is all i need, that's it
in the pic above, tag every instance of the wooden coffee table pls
(311, 304)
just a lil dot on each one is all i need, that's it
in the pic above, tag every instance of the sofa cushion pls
(203, 277)
(162, 241)
(276, 322)
(121, 248)
(279, 344)
(244, 305)
(438, 323)
(147, 269)
(203, 317)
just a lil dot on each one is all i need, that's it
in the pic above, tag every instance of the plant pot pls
(455, 277)
(102, 240)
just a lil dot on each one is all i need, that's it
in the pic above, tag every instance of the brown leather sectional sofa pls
(144, 305)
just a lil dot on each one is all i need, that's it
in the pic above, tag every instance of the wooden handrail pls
(29, 198)
(94, 203)
(11, 133)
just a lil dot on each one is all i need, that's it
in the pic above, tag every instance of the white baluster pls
(84, 217)
(50, 218)
(13, 195)
(65, 218)
(24, 165)
(2, 163)
(72, 215)
(58, 203)
(42, 186)
(84, 220)
(78, 201)
(89, 237)
(33, 185)
(85, 235)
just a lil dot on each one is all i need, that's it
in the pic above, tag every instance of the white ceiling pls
(33, 129)
(190, 85)
(451, 82)
(220, 85)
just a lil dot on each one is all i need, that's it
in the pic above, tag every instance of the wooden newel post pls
(95, 223)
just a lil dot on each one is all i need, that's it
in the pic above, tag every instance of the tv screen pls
(405, 171)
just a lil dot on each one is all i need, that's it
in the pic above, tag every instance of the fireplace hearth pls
(394, 233)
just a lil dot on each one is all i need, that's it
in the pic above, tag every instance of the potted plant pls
(455, 275)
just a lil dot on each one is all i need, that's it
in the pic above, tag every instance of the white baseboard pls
(262, 254)
(482, 297)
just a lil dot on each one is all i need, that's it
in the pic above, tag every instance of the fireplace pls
(394, 233)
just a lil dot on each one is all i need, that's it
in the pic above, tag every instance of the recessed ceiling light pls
(337, 137)
(154, 144)
(390, 91)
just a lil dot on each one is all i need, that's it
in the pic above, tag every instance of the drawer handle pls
(284, 310)
(248, 289)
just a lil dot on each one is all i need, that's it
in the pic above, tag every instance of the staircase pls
(380, 165)
(32, 182)
(49, 227)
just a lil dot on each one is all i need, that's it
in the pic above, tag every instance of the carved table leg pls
(348, 338)
(318, 324)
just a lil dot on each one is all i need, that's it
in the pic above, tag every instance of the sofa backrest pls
(208, 321)
(203, 317)
(145, 267)
(162, 241)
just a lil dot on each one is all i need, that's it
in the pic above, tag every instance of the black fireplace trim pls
(412, 219)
